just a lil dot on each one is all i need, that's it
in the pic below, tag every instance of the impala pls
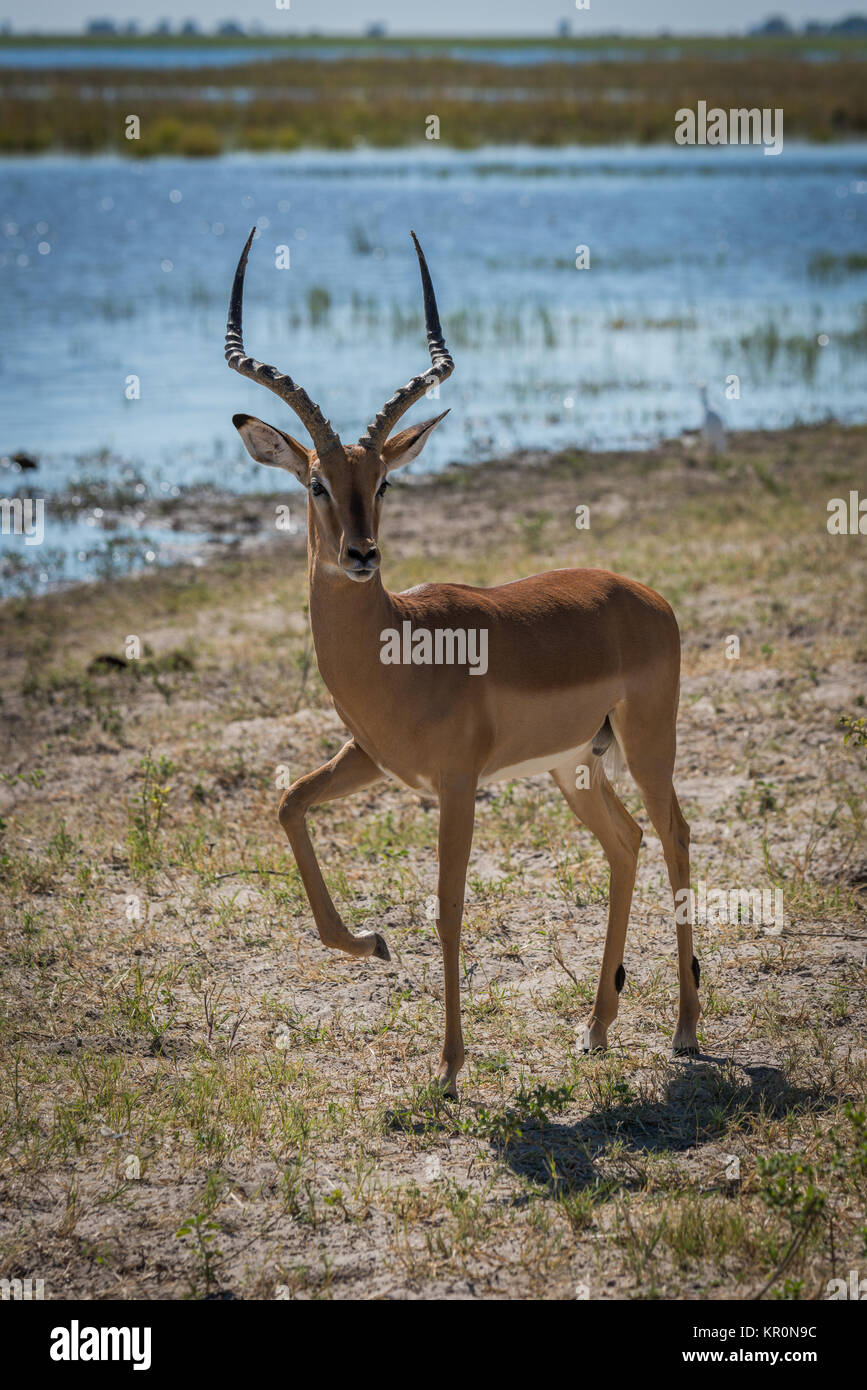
(577, 661)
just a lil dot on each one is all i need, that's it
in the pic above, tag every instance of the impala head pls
(345, 484)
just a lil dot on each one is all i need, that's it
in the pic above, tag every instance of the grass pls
(381, 98)
(197, 1098)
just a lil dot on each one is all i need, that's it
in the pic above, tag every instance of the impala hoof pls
(447, 1088)
(380, 950)
(590, 1044)
(685, 1050)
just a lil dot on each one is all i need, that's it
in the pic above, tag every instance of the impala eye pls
(317, 489)
(381, 490)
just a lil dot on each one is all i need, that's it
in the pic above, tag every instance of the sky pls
(428, 16)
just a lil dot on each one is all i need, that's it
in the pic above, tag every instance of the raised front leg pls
(348, 771)
(457, 814)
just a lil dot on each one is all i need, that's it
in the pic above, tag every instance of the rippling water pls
(704, 264)
(142, 55)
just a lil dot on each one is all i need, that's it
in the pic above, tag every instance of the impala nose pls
(361, 561)
(363, 557)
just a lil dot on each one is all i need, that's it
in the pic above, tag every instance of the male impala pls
(575, 659)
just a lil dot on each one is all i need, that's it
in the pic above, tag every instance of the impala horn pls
(441, 367)
(308, 412)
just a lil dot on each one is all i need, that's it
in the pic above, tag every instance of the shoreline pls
(719, 158)
(223, 525)
(774, 42)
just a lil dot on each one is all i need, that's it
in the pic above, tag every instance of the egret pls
(713, 430)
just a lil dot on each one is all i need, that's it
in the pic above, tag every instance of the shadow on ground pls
(700, 1105)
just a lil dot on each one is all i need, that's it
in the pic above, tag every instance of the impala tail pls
(608, 753)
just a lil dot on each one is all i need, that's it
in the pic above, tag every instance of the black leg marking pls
(619, 978)
(696, 971)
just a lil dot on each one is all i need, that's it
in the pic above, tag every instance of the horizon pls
(397, 35)
(450, 19)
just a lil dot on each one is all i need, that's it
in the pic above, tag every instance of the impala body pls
(574, 659)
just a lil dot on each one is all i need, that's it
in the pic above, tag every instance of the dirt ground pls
(198, 1100)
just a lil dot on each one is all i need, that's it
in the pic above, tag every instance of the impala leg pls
(604, 814)
(348, 771)
(664, 810)
(457, 815)
(652, 766)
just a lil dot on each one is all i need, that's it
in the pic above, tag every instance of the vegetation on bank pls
(385, 100)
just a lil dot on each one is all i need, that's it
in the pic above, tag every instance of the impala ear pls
(267, 444)
(407, 445)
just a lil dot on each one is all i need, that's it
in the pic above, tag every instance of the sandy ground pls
(200, 1100)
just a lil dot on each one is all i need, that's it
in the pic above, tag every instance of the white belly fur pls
(570, 757)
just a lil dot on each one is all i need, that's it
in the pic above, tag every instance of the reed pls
(383, 101)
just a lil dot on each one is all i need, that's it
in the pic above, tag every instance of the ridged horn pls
(441, 367)
(308, 412)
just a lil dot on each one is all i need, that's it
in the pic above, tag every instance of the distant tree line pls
(772, 27)
(228, 29)
(778, 25)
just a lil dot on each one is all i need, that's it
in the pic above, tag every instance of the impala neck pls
(346, 620)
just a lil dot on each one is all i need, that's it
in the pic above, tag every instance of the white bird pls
(713, 430)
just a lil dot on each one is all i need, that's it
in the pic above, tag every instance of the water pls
(704, 264)
(142, 55)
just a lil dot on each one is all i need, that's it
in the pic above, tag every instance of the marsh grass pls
(383, 101)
